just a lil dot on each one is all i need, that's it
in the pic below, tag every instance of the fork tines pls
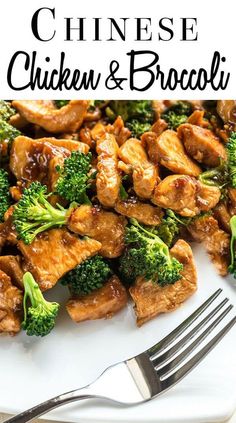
(167, 355)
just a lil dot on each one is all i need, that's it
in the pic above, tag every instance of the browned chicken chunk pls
(143, 212)
(108, 175)
(10, 305)
(227, 111)
(168, 150)
(119, 130)
(102, 303)
(31, 159)
(12, 266)
(106, 227)
(216, 241)
(151, 299)
(145, 173)
(45, 114)
(159, 126)
(202, 144)
(185, 195)
(54, 253)
(232, 200)
(222, 214)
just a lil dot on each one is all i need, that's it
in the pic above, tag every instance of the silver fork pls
(152, 372)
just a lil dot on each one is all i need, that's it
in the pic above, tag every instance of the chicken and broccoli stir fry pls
(103, 197)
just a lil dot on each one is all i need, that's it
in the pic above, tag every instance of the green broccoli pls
(231, 150)
(61, 103)
(138, 128)
(74, 178)
(170, 227)
(232, 266)
(33, 213)
(138, 115)
(97, 103)
(6, 111)
(148, 256)
(223, 175)
(7, 131)
(177, 114)
(7, 135)
(217, 176)
(40, 316)
(4, 193)
(87, 276)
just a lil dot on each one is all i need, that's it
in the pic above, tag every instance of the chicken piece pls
(54, 253)
(160, 106)
(10, 306)
(197, 118)
(28, 154)
(143, 212)
(152, 299)
(106, 227)
(36, 159)
(202, 144)
(67, 144)
(16, 191)
(227, 111)
(119, 130)
(11, 265)
(159, 126)
(202, 228)
(8, 234)
(108, 178)
(222, 214)
(168, 150)
(232, 202)
(185, 195)
(97, 131)
(216, 241)
(145, 173)
(218, 247)
(92, 116)
(102, 303)
(18, 121)
(45, 114)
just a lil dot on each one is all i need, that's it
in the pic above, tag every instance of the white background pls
(216, 31)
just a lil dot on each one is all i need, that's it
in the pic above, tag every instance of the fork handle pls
(44, 407)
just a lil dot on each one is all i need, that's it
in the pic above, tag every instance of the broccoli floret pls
(173, 119)
(97, 103)
(40, 316)
(182, 108)
(232, 266)
(4, 193)
(217, 176)
(177, 114)
(87, 276)
(7, 131)
(6, 111)
(61, 103)
(231, 150)
(170, 227)
(148, 256)
(74, 178)
(138, 128)
(223, 175)
(34, 214)
(7, 135)
(138, 115)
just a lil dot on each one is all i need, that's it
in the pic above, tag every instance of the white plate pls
(33, 370)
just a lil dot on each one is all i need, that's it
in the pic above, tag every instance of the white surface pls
(33, 370)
